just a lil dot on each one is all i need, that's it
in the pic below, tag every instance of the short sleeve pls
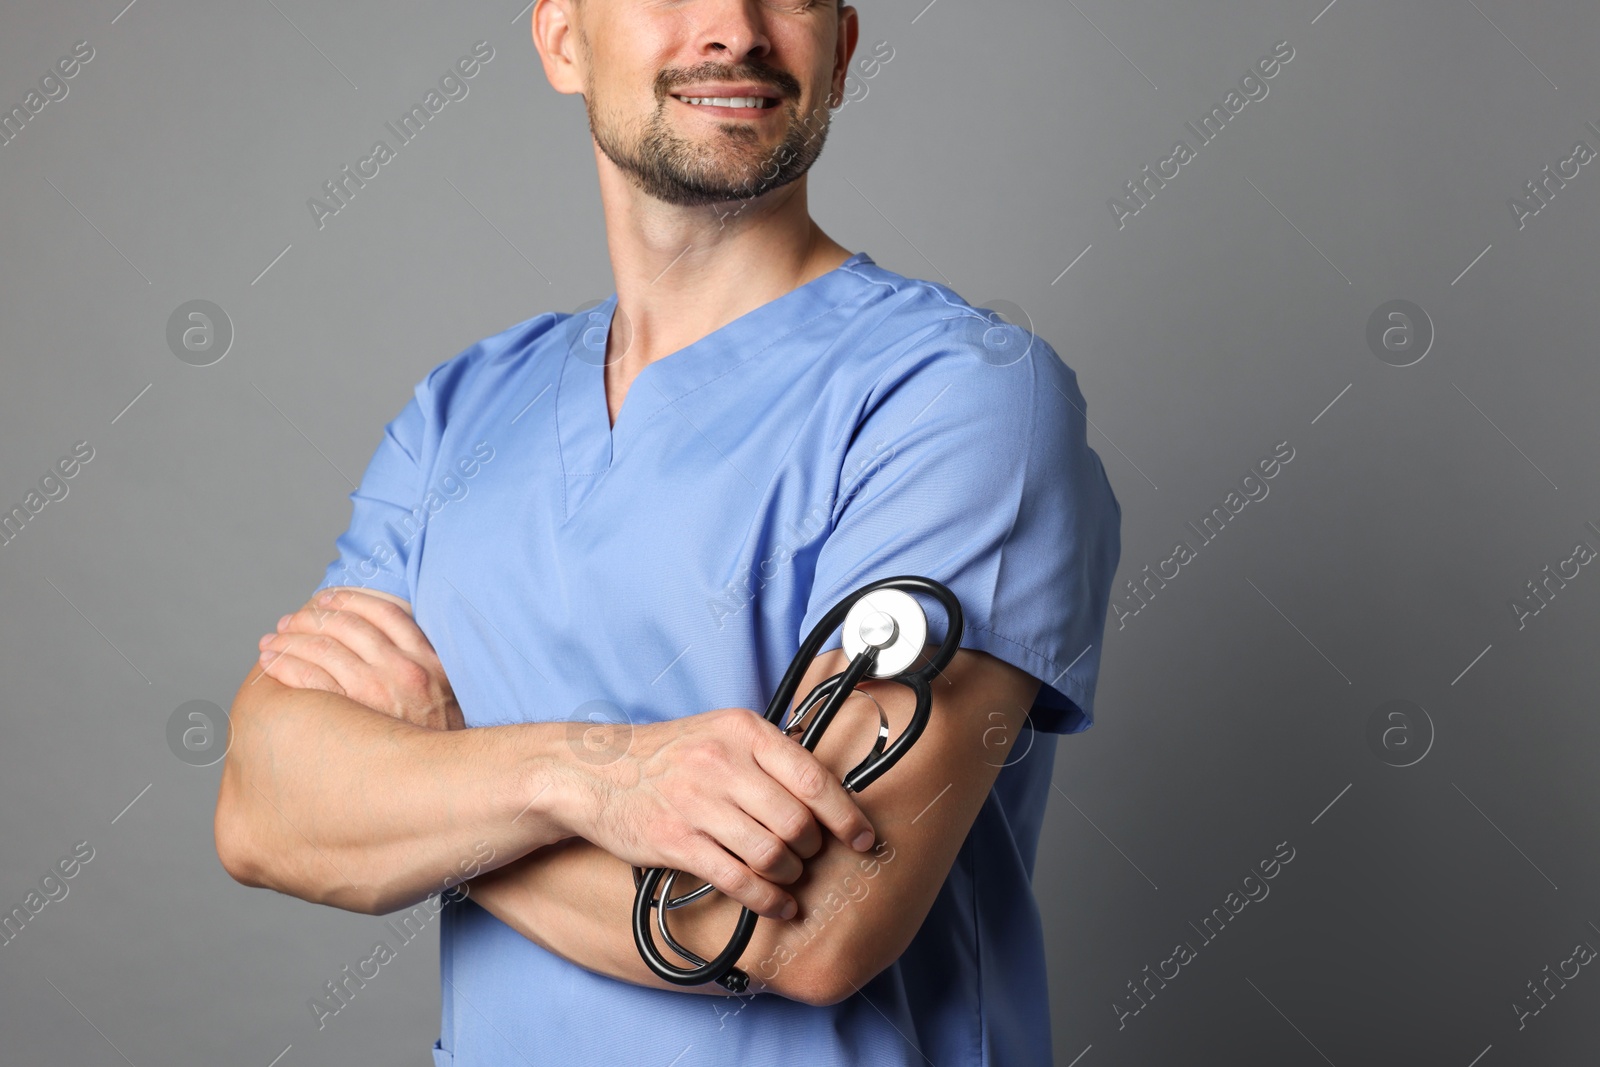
(387, 513)
(980, 476)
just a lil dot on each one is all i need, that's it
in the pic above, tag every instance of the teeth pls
(726, 101)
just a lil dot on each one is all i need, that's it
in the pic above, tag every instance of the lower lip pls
(720, 112)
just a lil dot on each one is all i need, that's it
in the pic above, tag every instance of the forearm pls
(576, 900)
(325, 799)
(858, 912)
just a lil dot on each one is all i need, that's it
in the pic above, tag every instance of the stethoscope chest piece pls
(891, 621)
(884, 632)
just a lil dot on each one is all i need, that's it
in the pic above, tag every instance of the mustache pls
(786, 84)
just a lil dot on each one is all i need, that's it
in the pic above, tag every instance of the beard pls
(729, 165)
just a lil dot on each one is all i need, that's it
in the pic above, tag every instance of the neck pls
(683, 272)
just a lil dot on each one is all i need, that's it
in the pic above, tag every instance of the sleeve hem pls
(385, 584)
(1063, 706)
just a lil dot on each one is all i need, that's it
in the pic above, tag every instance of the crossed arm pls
(559, 872)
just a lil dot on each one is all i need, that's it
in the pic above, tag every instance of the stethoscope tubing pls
(832, 693)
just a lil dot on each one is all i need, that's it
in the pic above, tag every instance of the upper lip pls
(725, 90)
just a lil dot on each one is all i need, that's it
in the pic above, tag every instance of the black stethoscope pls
(885, 631)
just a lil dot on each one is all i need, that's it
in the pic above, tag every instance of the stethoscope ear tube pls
(833, 692)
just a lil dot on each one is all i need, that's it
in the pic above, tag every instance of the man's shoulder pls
(496, 361)
(921, 327)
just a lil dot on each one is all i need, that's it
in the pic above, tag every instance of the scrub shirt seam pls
(1077, 689)
(673, 400)
(924, 284)
(977, 951)
(561, 456)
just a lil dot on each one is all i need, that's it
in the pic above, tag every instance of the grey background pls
(1224, 318)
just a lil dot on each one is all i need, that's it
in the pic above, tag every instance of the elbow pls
(825, 988)
(826, 978)
(234, 849)
(250, 862)
(825, 993)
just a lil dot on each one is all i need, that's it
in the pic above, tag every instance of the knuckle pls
(794, 825)
(735, 883)
(411, 675)
(316, 645)
(682, 842)
(320, 619)
(708, 754)
(766, 853)
(810, 781)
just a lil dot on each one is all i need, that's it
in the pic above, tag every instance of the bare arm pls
(857, 912)
(326, 799)
(344, 784)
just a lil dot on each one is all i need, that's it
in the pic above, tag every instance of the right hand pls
(726, 796)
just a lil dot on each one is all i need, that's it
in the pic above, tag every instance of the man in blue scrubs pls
(584, 554)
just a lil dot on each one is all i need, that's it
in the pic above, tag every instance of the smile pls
(759, 103)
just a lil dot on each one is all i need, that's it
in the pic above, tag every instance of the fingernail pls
(268, 656)
(283, 622)
(264, 639)
(789, 910)
(863, 841)
(325, 598)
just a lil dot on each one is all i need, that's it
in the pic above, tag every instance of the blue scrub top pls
(861, 426)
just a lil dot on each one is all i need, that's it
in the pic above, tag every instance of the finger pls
(386, 615)
(763, 851)
(297, 673)
(703, 857)
(811, 783)
(774, 807)
(368, 642)
(324, 652)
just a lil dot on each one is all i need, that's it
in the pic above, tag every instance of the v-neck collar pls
(590, 447)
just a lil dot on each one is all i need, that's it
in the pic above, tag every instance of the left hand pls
(368, 649)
